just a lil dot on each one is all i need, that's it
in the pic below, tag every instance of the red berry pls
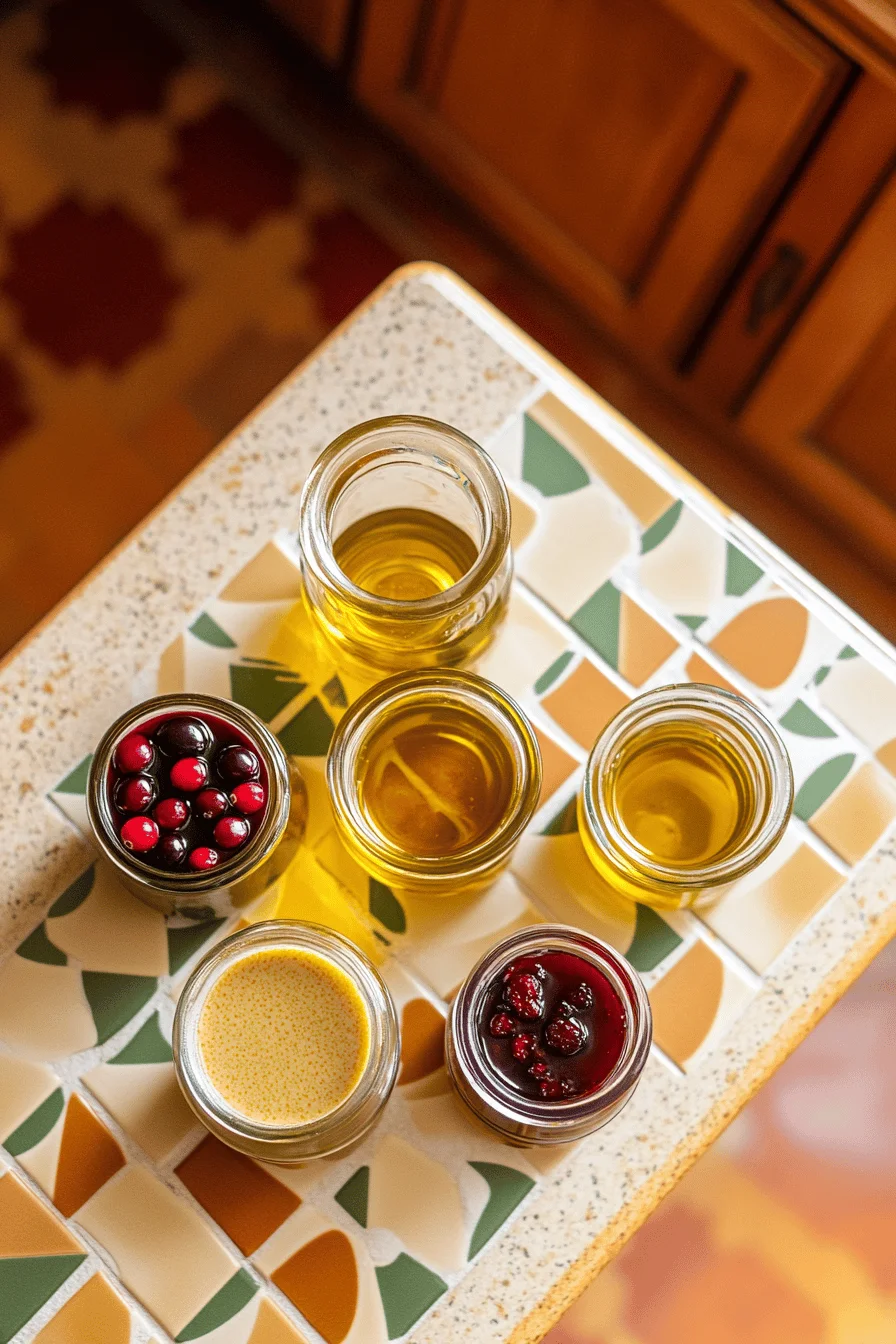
(525, 995)
(139, 834)
(203, 858)
(172, 850)
(183, 737)
(566, 1035)
(172, 813)
(134, 752)
(523, 1045)
(189, 774)
(550, 1087)
(236, 763)
(248, 798)
(582, 996)
(135, 794)
(211, 803)
(501, 1025)
(539, 1070)
(231, 832)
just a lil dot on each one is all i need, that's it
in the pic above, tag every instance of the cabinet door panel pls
(629, 146)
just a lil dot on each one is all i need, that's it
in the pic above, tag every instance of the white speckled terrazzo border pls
(424, 343)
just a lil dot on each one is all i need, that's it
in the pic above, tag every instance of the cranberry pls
(249, 798)
(237, 763)
(183, 737)
(525, 995)
(539, 1070)
(172, 813)
(566, 1035)
(189, 774)
(139, 834)
(501, 1025)
(172, 850)
(231, 832)
(550, 1087)
(134, 752)
(203, 858)
(524, 1045)
(135, 794)
(211, 804)
(582, 997)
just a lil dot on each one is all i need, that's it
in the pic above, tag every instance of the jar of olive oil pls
(433, 777)
(687, 789)
(405, 537)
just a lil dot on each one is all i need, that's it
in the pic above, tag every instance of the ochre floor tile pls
(26, 1227)
(95, 1315)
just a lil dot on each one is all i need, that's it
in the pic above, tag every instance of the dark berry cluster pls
(560, 1033)
(187, 795)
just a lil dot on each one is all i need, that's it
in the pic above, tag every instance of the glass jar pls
(276, 832)
(465, 780)
(342, 1126)
(486, 1089)
(399, 495)
(687, 789)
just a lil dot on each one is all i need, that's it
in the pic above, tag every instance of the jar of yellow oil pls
(686, 790)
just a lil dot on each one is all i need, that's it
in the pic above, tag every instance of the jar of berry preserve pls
(194, 802)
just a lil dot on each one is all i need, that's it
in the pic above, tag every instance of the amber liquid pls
(404, 554)
(436, 782)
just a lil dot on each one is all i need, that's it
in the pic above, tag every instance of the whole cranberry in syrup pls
(184, 737)
(237, 763)
(189, 774)
(231, 832)
(134, 752)
(211, 804)
(249, 798)
(172, 813)
(136, 793)
(139, 834)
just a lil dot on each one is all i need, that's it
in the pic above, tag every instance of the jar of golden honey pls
(405, 538)
(687, 789)
(433, 777)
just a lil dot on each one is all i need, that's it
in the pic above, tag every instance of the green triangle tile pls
(847, 652)
(147, 1047)
(74, 895)
(659, 531)
(385, 906)
(653, 941)
(115, 999)
(210, 632)
(335, 693)
(547, 465)
(353, 1195)
(597, 621)
(692, 622)
(804, 721)
(37, 947)
(225, 1304)
(566, 822)
(183, 942)
(408, 1289)
(550, 675)
(76, 782)
(37, 1126)
(820, 785)
(740, 572)
(820, 675)
(507, 1188)
(264, 690)
(309, 732)
(27, 1283)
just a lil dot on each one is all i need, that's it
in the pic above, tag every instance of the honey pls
(404, 554)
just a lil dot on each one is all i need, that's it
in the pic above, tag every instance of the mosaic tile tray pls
(117, 1208)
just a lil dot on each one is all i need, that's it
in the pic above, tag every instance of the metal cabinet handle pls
(774, 284)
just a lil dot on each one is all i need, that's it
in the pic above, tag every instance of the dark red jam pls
(187, 791)
(553, 1026)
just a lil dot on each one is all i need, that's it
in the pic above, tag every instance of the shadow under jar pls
(286, 1042)
(686, 790)
(433, 777)
(548, 1035)
(405, 539)
(194, 802)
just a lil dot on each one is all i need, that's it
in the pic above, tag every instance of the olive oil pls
(404, 554)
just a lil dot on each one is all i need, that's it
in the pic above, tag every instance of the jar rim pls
(732, 716)
(356, 448)
(444, 686)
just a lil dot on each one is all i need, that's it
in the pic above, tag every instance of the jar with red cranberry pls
(193, 800)
(548, 1035)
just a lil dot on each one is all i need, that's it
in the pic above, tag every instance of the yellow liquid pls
(435, 782)
(404, 554)
(284, 1036)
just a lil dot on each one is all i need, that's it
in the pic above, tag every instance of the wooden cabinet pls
(631, 147)
(323, 24)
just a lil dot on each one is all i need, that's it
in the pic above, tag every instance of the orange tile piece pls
(887, 755)
(243, 1198)
(422, 1041)
(26, 1227)
(857, 814)
(698, 669)
(584, 703)
(644, 644)
(95, 1315)
(556, 764)
(764, 642)
(321, 1279)
(272, 1327)
(89, 1156)
(522, 519)
(685, 1002)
